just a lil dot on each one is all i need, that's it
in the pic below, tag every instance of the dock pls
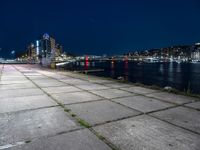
(44, 109)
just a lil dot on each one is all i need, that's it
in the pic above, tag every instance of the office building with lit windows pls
(47, 47)
(195, 55)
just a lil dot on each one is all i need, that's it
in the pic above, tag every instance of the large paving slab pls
(92, 86)
(147, 133)
(24, 70)
(117, 85)
(98, 80)
(48, 83)
(112, 93)
(77, 75)
(12, 78)
(15, 81)
(195, 105)
(38, 77)
(173, 98)
(143, 104)
(16, 86)
(101, 111)
(59, 76)
(181, 116)
(11, 72)
(77, 140)
(25, 103)
(32, 74)
(75, 97)
(60, 89)
(20, 92)
(139, 90)
(74, 81)
(26, 125)
(46, 72)
(65, 78)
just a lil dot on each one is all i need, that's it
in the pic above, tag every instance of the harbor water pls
(181, 76)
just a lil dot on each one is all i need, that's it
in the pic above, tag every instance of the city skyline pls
(46, 46)
(111, 27)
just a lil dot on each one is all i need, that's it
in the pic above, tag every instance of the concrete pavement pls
(43, 109)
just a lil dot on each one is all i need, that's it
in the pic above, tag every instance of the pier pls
(44, 109)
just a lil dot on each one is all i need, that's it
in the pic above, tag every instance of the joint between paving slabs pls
(87, 125)
(26, 141)
(137, 94)
(112, 146)
(103, 98)
(82, 122)
(197, 133)
(60, 104)
(79, 120)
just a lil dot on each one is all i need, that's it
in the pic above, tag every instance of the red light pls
(86, 62)
(86, 58)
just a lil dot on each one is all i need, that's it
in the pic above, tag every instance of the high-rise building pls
(31, 51)
(53, 43)
(47, 47)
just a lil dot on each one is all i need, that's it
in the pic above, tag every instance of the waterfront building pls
(47, 47)
(195, 55)
(53, 43)
(38, 48)
(31, 51)
(58, 50)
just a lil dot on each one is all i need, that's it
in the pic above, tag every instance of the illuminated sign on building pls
(46, 36)
(37, 47)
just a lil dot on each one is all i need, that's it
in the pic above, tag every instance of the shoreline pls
(155, 87)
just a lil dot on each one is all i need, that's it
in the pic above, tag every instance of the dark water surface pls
(182, 76)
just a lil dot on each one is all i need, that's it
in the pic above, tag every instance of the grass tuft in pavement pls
(83, 123)
(28, 141)
(73, 115)
(67, 110)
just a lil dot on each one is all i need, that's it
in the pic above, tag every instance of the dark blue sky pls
(99, 26)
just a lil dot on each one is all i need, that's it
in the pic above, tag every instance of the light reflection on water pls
(161, 69)
(126, 71)
(178, 68)
(170, 72)
(112, 72)
(182, 76)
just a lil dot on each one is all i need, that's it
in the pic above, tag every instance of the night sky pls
(99, 26)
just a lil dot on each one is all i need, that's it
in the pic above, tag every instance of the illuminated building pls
(53, 43)
(47, 47)
(31, 51)
(58, 50)
(195, 55)
(38, 44)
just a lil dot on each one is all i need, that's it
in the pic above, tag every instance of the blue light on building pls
(37, 47)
